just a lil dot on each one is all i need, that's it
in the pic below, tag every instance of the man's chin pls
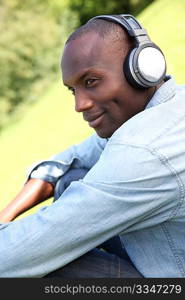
(103, 133)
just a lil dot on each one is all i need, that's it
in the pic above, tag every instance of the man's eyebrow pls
(80, 77)
(84, 74)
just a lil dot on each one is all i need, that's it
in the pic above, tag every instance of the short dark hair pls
(104, 28)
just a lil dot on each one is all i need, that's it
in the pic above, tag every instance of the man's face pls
(93, 70)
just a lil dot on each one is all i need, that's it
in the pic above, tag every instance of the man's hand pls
(33, 192)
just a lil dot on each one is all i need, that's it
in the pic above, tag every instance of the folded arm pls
(44, 176)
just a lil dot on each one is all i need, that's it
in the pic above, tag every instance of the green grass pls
(51, 125)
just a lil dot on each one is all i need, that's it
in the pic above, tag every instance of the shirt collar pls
(164, 93)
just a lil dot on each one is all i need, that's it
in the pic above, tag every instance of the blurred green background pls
(37, 117)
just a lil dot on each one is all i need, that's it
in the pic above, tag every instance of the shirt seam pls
(173, 250)
(164, 161)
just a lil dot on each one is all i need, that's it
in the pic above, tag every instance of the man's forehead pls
(86, 46)
(84, 52)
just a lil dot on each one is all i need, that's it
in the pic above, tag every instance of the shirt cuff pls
(49, 171)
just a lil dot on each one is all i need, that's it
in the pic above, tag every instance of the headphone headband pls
(128, 22)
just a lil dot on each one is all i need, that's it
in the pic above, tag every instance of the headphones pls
(145, 65)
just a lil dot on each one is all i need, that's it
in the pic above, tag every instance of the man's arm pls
(33, 192)
(44, 176)
(81, 156)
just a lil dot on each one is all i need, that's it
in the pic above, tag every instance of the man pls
(133, 169)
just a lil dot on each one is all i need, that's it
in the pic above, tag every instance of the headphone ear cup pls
(127, 70)
(144, 66)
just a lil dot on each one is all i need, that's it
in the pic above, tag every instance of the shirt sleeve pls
(129, 188)
(83, 156)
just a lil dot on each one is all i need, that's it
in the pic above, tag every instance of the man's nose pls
(82, 102)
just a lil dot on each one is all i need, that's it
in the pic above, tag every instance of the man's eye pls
(90, 82)
(72, 90)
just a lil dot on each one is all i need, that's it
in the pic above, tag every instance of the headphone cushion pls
(127, 70)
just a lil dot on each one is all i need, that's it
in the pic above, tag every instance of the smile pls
(96, 122)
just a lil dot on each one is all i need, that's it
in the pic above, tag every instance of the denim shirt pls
(134, 186)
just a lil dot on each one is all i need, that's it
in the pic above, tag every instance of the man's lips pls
(94, 120)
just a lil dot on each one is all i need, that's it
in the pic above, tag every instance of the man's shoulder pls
(146, 127)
